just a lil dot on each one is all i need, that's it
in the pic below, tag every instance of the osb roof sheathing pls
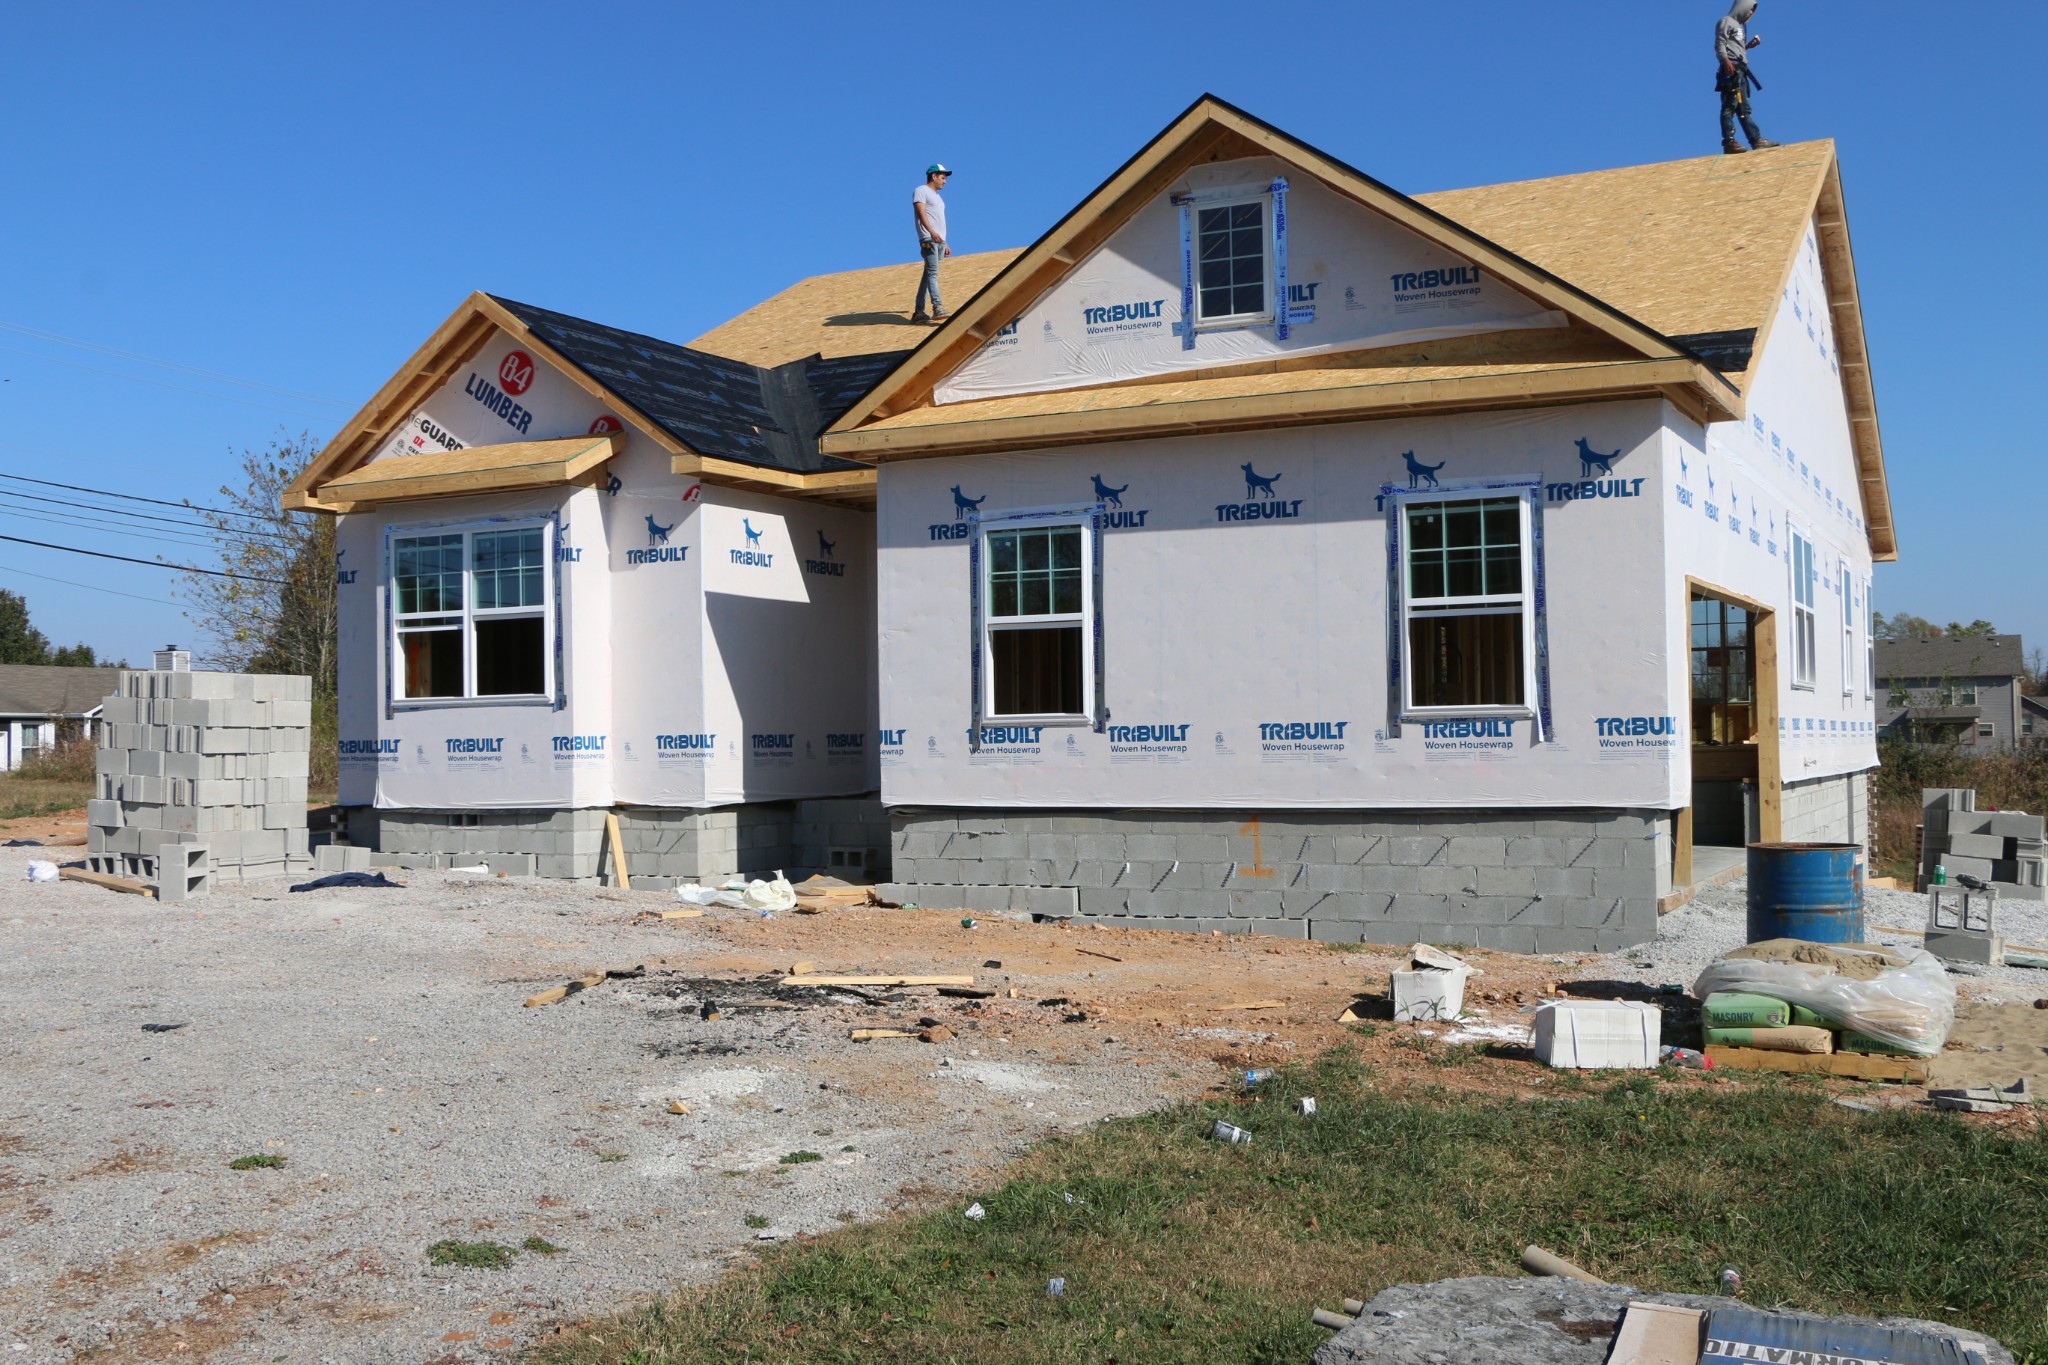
(856, 312)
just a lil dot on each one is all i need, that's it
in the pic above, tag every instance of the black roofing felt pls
(726, 409)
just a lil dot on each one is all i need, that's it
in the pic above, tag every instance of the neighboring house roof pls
(1966, 656)
(42, 691)
(2037, 705)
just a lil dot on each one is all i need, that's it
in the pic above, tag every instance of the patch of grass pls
(257, 1161)
(799, 1158)
(23, 798)
(540, 1246)
(1344, 947)
(1657, 1184)
(611, 1156)
(474, 1255)
(755, 1220)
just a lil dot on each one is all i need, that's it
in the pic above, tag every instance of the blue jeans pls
(1735, 105)
(929, 285)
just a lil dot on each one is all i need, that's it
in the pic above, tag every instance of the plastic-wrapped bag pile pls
(1789, 995)
(741, 894)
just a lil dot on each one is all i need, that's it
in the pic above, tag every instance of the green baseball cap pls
(936, 169)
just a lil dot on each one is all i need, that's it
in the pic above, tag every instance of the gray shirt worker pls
(928, 211)
(1732, 79)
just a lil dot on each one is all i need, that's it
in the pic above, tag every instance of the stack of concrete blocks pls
(218, 760)
(2003, 848)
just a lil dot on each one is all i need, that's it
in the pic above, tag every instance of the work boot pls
(919, 317)
(1765, 143)
(1732, 148)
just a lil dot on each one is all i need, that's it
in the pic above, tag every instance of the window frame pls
(1525, 600)
(547, 612)
(1087, 522)
(1804, 621)
(1849, 650)
(1225, 199)
(1869, 644)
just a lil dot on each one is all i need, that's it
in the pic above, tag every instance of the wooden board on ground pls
(877, 980)
(618, 845)
(866, 1035)
(1856, 1065)
(126, 885)
(556, 993)
(1256, 1005)
(682, 914)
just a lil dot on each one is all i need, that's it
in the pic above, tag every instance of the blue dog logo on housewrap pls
(825, 565)
(657, 534)
(1110, 497)
(662, 552)
(1591, 459)
(1262, 502)
(1257, 484)
(1114, 515)
(342, 577)
(963, 507)
(1418, 471)
(753, 536)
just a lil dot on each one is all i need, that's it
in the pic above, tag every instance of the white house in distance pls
(584, 571)
(38, 702)
(1265, 549)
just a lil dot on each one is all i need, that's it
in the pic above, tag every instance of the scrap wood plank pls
(1256, 1005)
(611, 834)
(1857, 1065)
(682, 914)
(555, 993)
(864, 1035)
(877, 980)
(111, 883)
(1092, 953)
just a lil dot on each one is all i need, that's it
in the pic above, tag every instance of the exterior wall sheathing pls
(1523, 881)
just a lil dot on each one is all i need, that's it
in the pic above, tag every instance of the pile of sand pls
(1856, 963)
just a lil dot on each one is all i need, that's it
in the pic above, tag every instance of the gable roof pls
(45, 690)
(724, 419)
(852, 312)
(1952, 656)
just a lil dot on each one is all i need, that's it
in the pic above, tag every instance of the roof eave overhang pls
(1859, 391)
(563, 463)
(1690, 385)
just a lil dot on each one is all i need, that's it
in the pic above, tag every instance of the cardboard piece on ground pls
(1913, 1070)
(1658, 1334)
(111, 883)
(878, 981)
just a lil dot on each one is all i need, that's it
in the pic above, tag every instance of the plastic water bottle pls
(1684, 1056)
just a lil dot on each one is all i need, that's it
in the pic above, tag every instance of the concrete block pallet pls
(2003, 848)
(213, 761)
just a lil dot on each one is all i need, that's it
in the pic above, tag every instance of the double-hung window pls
(1038, 621)
(1869, 643)
(471, 611)
(1849, 649)
(1233, 262)
(1467, 600)
(1805, 637)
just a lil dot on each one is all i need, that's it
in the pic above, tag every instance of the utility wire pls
(55, 518)
(164, 384)
(133, 497)
(145, 516)
(172, 365)
(89, 587)
(147, 563)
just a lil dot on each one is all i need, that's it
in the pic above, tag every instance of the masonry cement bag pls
(1734, 1009)
(1772, 1039)
(1900, 997)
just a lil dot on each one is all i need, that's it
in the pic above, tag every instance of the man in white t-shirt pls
(929, 211)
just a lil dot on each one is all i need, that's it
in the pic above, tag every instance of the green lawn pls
(21, 797)
(1177, 1248)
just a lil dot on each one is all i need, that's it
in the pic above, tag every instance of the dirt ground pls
(376, 1040)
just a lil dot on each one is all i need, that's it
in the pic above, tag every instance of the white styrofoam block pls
(1430, 994)
(1597, 1034)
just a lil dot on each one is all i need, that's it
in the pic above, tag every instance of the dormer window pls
(1232, 260)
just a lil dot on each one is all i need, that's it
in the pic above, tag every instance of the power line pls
(163, 384)
(172, 365)
(134, 497)
(87, 586)
(145, 516)
(147, 563)
(55, 518)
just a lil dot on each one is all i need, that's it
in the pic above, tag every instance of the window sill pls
(1234, 324)
(467, 703)
(1042, 722)
(1423, 715)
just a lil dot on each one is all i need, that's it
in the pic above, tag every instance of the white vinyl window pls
(1849, 649)
(1233, 261)
(1805, 636)
(1869, 643)
(1038, 621)
(471, 614)
(1468, 633)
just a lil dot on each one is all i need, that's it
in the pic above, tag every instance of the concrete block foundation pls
(1524, 881)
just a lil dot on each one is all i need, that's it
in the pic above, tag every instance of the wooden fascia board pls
(451, 346)
(1236, 413)
(826, 481)
(1845, 307)
(1039, 266)
(510, 323)
(545, 473)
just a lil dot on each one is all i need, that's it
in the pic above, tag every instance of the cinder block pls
(1958, 866)
(1476, 851)
(343, 858)
(2008, 824)
(1976, 845)
(1062, 901)
(183, 871)
(1417, 851)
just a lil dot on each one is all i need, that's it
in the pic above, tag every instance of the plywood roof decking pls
(854, 312)
(478, 469)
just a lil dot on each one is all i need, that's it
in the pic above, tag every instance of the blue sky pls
(295, 196)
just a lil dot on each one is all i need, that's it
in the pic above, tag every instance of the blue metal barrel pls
(1808, 891)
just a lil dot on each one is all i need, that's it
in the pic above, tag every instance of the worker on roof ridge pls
(1733, 79)
(929, 211)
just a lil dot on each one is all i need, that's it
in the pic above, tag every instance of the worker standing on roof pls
(929, 210)
(1733, 79)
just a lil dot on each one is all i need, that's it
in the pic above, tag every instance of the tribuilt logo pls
(963, 507)
(1468, 729)
(342, 576)
(1148, 734)
(359, 749)
(1010, 734)
(1635, 726)
(579, 744)
(1262, 501)
(753, 556)
(1449, 277)
(890, 739)
(685, 743)
(849, 743)
(1114, 515)
(1123, 312)
(826, 565)
(782, 744)
(1303, 293)
(1302, 729)
(494, 745)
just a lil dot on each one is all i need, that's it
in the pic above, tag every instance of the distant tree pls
(80, 656)
(20, 642)
(1980, 626)
(276, 615)
(1902, 625)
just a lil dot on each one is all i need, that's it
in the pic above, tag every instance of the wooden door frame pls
(1770, 776)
